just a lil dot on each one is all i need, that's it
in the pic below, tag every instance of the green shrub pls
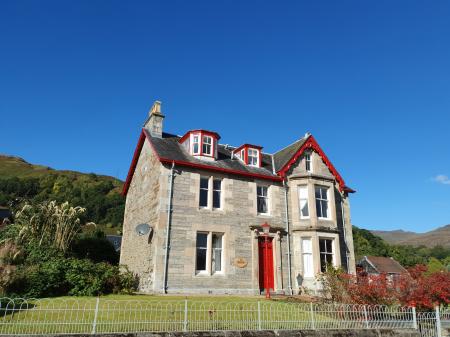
(42, 280)
(95, 246)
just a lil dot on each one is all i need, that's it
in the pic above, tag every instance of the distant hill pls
(99, 194)
(438, 236)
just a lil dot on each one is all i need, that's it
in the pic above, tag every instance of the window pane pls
(323, 263)
(304, 208)
(303, 192)
(324, 209)
(216, 199)
(195, 148)
(318, 194)
(318, 208)
(322, 245)
(217, 260)
(308, 265)
(217, 252)
(262, 205)
(202, 240)
(201, 259)
(203, 198)
(204, 182)
(303, 200)
(217, 184)
(329, 246)
(217, 241)
(306, 246)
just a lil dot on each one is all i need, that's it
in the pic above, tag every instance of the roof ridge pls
(291, 144)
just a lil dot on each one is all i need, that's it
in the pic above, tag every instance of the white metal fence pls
(83, 316)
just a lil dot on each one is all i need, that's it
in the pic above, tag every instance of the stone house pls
(380, 265)
(195, 209)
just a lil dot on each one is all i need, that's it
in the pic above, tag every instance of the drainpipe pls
(288, 237)
(169, 218)
(347, 258)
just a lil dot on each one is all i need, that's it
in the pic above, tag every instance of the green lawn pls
(146, 313)
(151, 313)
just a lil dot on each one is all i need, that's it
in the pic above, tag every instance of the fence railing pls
(84, 316)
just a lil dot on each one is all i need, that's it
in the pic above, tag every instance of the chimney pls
(154, 122)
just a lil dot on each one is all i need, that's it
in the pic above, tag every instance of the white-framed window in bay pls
(209, 253)
(303, 201)
(326, 250)
(322, 202)
(307, 257)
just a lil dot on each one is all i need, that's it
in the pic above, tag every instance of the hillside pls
(438, 236)
(100, 195)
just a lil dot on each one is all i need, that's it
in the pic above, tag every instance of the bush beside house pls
(43, 254)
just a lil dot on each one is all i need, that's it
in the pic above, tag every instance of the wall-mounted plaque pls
(240, 262)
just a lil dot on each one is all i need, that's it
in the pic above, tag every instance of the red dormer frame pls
(246, 147)
(201, 133)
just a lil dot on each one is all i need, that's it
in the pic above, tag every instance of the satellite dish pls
(143, 229)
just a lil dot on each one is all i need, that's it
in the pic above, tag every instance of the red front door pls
(265, 263)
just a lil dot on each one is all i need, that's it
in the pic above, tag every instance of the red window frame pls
(245, 148)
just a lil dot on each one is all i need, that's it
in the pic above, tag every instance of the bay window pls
(326, 254)
(321, 194)
(308, 267)
(303, 202)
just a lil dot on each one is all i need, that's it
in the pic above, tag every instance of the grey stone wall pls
(142, 206)
(238, 220)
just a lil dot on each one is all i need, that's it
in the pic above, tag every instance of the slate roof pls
(169, 148)
(284, 155)
(386, 265)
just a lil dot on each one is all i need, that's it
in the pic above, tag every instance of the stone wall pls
(236, 220)
(142, 206)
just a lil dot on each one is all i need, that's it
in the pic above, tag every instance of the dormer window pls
(195, 144)
(253, 157)
(249, 154)
(207, 145)
(201, 143)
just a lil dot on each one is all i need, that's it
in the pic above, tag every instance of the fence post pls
(438, 323)
(414, 318)
(185, 322)
(365, 317)
(313, 323)
(94, 324)
(259, 315)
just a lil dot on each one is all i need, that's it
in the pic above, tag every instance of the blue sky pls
(369, 79)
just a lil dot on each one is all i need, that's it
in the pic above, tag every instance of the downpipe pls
(169, 220)
(288, 237)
